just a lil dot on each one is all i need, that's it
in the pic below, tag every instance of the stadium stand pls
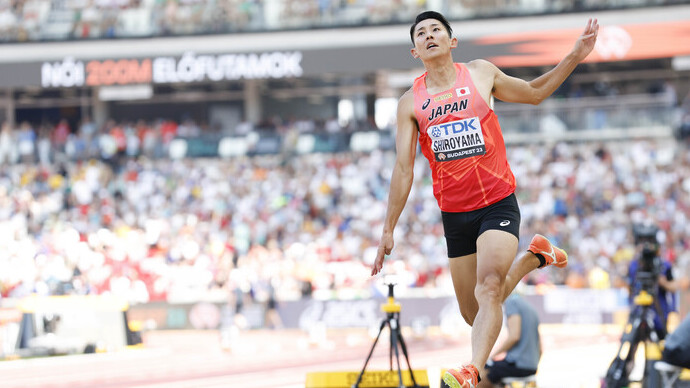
(31, 20)
(210, 162)
(164, 199)
(200, 228)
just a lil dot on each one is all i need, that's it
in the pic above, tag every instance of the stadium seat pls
(520, 382)
(135, 22)
(669, 373)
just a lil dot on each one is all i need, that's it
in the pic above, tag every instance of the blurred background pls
(216, 172)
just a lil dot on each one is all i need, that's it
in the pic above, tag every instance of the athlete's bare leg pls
(500, 248)
(463, 271)
(521, 266)
(485, 383)
(496, 252)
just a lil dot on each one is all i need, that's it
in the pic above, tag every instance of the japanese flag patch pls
(462, 92)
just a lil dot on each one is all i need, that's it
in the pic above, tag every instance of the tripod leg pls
(391, 342)
(395, 332)
(618, 373)
(407, 357)
(652, 378)
(359, 378)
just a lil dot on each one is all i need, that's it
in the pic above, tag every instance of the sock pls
(542, 260)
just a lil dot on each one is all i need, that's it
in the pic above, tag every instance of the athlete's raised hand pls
(585, 43)
(385, 248)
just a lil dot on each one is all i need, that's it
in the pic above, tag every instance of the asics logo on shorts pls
(505, 223)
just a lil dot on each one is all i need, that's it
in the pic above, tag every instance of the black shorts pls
(462, 229)
(501, 369)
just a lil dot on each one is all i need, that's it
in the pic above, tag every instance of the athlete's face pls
(431, 39)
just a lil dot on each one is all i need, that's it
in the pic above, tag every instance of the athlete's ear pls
(454, 43)
(413, 51)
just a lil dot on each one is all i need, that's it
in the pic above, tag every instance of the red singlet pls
(461, 137)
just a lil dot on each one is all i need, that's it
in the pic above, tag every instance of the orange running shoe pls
(465, 377)
(549, 253)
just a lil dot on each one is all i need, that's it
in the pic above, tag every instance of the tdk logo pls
(453, 128)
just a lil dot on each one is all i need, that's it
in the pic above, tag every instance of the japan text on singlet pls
(461, 138)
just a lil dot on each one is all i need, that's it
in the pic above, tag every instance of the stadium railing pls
(599, 118)
(570, 119)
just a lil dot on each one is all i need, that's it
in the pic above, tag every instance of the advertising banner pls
(528, 48)
(565, 305)
(614, 43)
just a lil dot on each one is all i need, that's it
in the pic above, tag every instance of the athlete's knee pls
(490, 288)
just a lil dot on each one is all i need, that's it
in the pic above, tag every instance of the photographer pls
(681, 278)
(650, 273)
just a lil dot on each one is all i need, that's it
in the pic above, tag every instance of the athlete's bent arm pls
(403, 174)
(511, 89)
(674, 285)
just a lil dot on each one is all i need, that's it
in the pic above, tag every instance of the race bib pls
(457, 139)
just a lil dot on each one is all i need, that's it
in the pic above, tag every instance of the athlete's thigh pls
(496, 251)
(463, 271)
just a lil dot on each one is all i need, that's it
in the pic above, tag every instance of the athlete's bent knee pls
(490, 289)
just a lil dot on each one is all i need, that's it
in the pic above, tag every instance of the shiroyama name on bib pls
(457, 139)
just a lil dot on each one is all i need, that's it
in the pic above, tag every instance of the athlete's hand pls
(385, 248)
(585, 43)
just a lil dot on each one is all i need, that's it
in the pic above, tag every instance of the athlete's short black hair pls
(430, 15)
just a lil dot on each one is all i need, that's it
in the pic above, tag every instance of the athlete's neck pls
(440, 76)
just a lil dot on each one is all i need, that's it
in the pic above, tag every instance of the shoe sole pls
(452, 382)
(564, 263)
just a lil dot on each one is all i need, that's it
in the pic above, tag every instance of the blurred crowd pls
(90, 208)
(32, 20)
(583, 106)
(308, 225)
(113, 141)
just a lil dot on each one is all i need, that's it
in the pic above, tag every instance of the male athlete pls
(448, 109)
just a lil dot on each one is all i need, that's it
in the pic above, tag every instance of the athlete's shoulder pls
(407, 97)
(406, 102)
(483, 74)
(480, 64)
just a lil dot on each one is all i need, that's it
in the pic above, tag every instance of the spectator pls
(26, 141)
(60, 135)
(6, 143)
(648, 262)
(677, 345)
(522, 346)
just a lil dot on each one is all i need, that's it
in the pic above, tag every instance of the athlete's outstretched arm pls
(403, 174)
(511, 89)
